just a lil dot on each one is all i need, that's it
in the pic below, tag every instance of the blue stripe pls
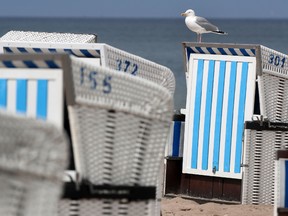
(69, 51)
(9, 64)
(232, 50)
(30, 64)
(200, 50)
(22, 49)
(189, 51)
(207, 120)
(52, 50)
(229, 117)
(176, 138)
(219, 105)
(243, 51)
(286, 184)
(42, 97)
(222, 51)
(86, 53)
(3, 93)
(253, 51)
(37, 50)
(8, 50)
(21, 96)
(240, 120)
(197, 109)
(51, 64)
(211, 51)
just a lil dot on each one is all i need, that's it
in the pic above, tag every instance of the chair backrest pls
(32, 85)
(281, 183)
(96, 53)
(33, 157)
(220, 98)
(119, 125)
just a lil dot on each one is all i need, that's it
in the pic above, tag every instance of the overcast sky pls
(145, 8)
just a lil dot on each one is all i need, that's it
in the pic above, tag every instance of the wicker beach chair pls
(33, 157)
(119, 126)
(97, 53)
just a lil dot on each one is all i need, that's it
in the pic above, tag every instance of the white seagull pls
(200, 25)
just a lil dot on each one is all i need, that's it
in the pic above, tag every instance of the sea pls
(160, 40)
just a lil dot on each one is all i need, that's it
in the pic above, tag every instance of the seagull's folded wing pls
(204, 23)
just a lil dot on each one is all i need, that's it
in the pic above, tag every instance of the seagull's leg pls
(200, 36)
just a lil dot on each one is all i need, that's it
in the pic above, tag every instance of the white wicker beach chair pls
(222, 83)
(261, 141)
(119, 126)
(96, 53)
(33, 157)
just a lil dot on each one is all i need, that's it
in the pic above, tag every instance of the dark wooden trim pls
(282, 211)
(198, 186)
(281, 154)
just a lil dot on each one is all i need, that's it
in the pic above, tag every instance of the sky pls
(145, 8)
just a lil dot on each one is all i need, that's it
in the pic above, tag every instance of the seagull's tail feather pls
(220, 32)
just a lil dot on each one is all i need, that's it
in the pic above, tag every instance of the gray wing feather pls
(206, 24)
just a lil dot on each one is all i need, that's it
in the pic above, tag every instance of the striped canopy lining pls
(88, 53)
(30, 64)
(221, 51)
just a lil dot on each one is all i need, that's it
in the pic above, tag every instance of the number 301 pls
(276, 60)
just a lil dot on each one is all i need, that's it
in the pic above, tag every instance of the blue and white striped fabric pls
(176, 140)
(32, 91)
(220, 51)
(88, 53)
(30, 64)
(220, 98)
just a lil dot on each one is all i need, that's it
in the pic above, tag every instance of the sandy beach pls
(184, 207)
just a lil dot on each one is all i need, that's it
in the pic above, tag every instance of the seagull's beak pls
(183, 14)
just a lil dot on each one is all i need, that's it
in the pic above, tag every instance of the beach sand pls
(185, 207)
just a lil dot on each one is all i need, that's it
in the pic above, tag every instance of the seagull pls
(200, 25)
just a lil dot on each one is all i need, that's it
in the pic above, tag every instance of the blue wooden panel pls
(176, 138)
(3, 93)
(42, 97)
(21, 96)
(197, 110)
(207, 126)
(219, 106)
(229, 117)
(286, 185)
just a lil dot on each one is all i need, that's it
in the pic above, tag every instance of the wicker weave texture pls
(54, 37)
(273, 94)
(33, 157)
(99, 207)
(258, 177)
(119, 136)
(274, 62)
(135, 65)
